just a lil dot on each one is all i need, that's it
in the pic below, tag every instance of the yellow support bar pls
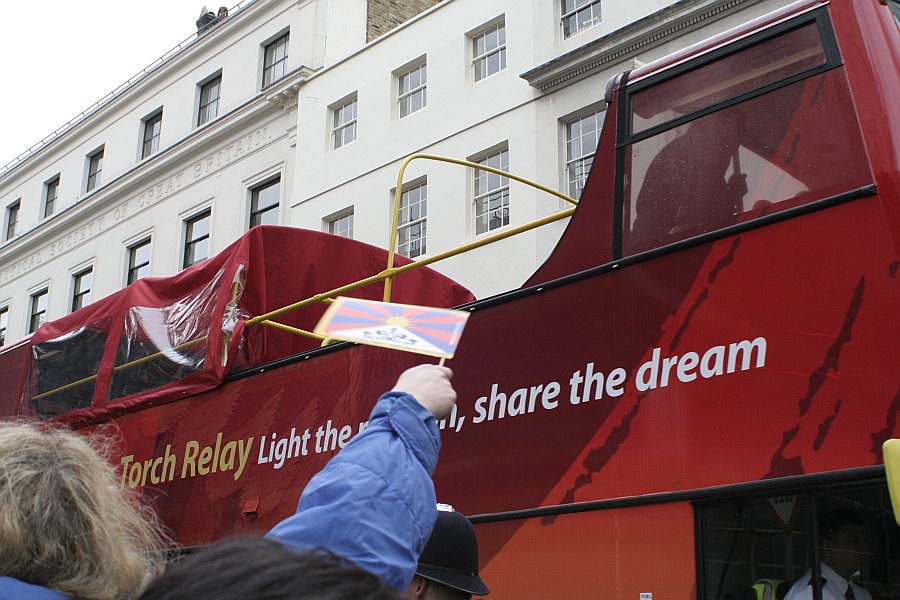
(392, 248)
(394, 271)
(289, 329)
(386, 276)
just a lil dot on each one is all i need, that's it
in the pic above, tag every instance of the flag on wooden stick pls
(420, 329)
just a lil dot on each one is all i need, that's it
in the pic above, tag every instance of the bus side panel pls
(536, 425)
(615, 553)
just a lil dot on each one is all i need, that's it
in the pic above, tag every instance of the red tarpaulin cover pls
(161, 339)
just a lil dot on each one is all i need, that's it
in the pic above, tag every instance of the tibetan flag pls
(421, 329)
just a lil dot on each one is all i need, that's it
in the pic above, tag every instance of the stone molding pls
(623, 44)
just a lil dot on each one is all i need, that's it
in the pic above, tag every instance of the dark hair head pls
(262, 569)
(831, 523)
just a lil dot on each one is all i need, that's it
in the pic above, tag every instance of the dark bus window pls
(790, 146)
(63, 370)
(783, 543)
(767, 62)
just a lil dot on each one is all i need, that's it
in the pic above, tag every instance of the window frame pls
(152, 130)
(572, 162)
(12, 219)
(94, 169)
(190, 242)
(589, 4)
(481, 33)
(829, 46)
(78, 292)
(402, 225)
(269, 68)
(408, 95)
(810, 493)
(4, 324)
(133, 267)
(255, 213)
(332, 221)
(482, 158)
(625, 137)
(38, 316)
(204, 115)
(51, 194)
(338, 128)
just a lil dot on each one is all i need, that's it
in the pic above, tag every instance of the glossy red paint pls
(765, 351)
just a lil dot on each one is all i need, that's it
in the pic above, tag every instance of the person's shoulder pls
(800, 589)
(13, 589)
(861, 593)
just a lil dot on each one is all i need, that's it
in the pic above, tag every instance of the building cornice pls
(623, 44)
(285, 92)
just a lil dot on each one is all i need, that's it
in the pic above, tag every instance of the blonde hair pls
(65, 522)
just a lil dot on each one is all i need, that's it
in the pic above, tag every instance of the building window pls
(138, 261)
(412, 90)
(95, 167)
(38, 309)
(196, 239)
(264, 203)
(489, 51)
(4, 324)
(492, 194)
(344, 128)
(582, 136)
(578, 15)
(341, 224)
(51, 192)
(152, 128)
(275, 60)
(413, 214)
(209, 101)
(12, 219)
(81, 288)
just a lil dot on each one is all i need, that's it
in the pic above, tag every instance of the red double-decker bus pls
(704, 367)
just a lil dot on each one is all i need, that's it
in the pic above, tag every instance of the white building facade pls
(300, 113)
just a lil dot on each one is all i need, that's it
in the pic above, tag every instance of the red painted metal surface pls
(765, 353)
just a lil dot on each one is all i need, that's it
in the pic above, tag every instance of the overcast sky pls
(59, 57)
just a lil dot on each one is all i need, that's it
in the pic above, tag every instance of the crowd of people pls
(367, 526)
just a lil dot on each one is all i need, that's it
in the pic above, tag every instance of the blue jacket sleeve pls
(374, 502)
(13, 589)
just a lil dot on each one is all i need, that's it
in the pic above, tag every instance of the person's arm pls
(374, 502)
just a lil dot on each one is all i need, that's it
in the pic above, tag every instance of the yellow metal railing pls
(391, 271)
(386, 275)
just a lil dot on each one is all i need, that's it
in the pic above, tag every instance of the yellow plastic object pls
(891, 450)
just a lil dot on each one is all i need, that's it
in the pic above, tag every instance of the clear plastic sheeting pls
(167, 338)
(233, 314)
(63, 370)
(161, 345)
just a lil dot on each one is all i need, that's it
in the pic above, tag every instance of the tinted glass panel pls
(63, 370)
(805, 544)
(791, 146)
(763, 63)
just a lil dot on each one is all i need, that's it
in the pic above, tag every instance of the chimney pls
(207, 18)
